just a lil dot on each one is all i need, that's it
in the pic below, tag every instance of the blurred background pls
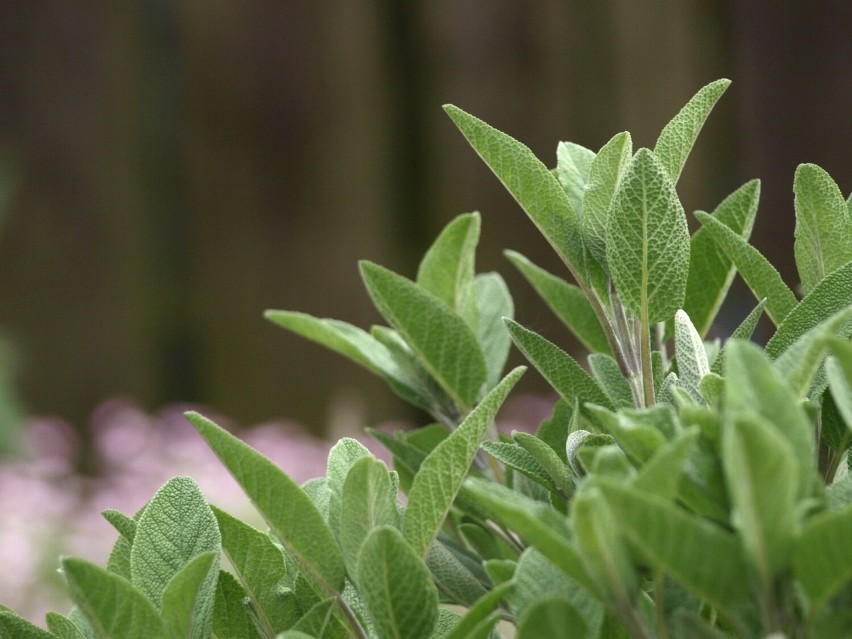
(171, 169)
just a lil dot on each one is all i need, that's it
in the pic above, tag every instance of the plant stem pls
(645, 352)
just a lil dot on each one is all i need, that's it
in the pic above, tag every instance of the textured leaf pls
(290, 513)
(60, 626)
(176, 526)
(530, 182)
(447, 268)
(831, 295)
(112, 605)
(551, 616)
(823, 228)
(396, 586)
(742, 332)
(13, 626)
(661, 474)
(556, 469)
(368, 500)
(691, 357)
(567, 377)
(711, 271)
(441, 339)
(259, 566)
(607, 373)
(321, 622)
(573, 163)
(517, 458)
(341, 457)
(605, 173)
(442, 472)
(761, 277)
(567, 301)
(494, 302)
(648, 242)
(700, 555)
(479, 612)
(762, 478)
(126, 526)
(822, 556)
(230, 617)
(187, 608)
(454, 580)
(839, 372)
(678, 136)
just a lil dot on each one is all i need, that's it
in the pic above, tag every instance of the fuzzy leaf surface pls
(230, 617)
(647, 241)
(441, 474)
(494, 302)
(61, 626)
(742, 332)
(442, 340)
(290, 513)
(13, 626)
(839, 372)
(176, 526)
(396, 586)
(678, 136)
(711, 271)
(691, 357)
(479, 612)
(608, 375)
(823, 228)
(760, 276)
(573, 163)
(187, 608)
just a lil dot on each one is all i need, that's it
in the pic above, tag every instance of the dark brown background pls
(182, 166)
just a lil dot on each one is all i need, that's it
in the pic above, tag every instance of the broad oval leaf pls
(442, 340)
(396, 586)
(648, 242)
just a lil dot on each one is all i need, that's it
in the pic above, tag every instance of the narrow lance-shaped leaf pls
(761, 277)
(290, 513)
(442, 340)
(573, 162)
(744, 331)
(13, 626)
(231, 619)
(567, 301)
(711, 271)
(494, 302)
(447, 268)
(187, 609)
(839, 371)
(396, 586)
(534, 187)
(691, 357)
(605, 173)
(648, 241)
(678, 136)
(442, 472)
(823, 228)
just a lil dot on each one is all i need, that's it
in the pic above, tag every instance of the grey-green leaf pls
(691, 357)
(678, 136)
(567, 301)
(648, 241)
(61, 626)
(823, 228)
(442, 472)
(290, 513)
(442, 340)
(494, 302)
(711, 271)
(396, 586)
(13, 626)
(573, 163)
(744, 332)
(187, 606)
(761, 277)
(551, 616)
(822, 556)
(112, 605)
(839, 372)
(176, 526)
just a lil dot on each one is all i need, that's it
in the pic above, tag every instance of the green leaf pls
(822, 556)
(761, 277)
(556, 469)
(441, 339)
(538, 524)
(700, 555)
(831, 295)
(648, 241)
(605, 173)
(711, 271)
(259, 566)
(442, 472)
(573, 163)
(456, 583)
(341, 457)
(530, 182)
(742, 332)
(494, 302)
(447, 268)
(551, 616)
(567, 301)
(480, 612)
(762, 478)
(176, 526)
(13, 626)
(320, 621)
(290, 513)
(839, 371)
(396, 586)
(368, 500)
(661, 474)
(567, 377)
(691, 357)
(187, 608)
(230, 616)
(517, 458)
(126, 526)
(606, 371)
(678, 136)
(61, 626)
(753, 388)
(823, 228)
(112, 605)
